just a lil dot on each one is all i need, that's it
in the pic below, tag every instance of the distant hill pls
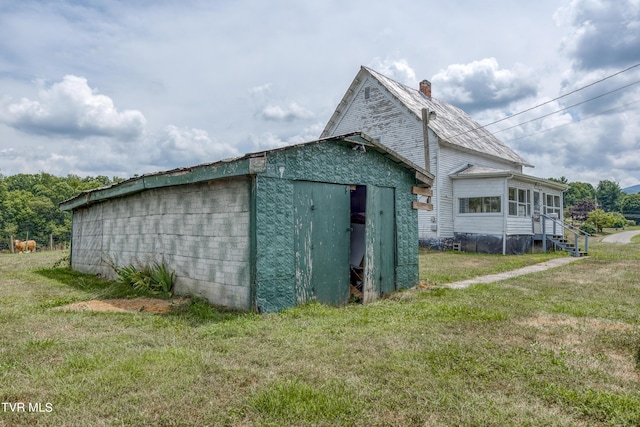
(632, 190)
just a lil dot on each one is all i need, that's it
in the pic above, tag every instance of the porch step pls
(568, 247)
(560, 240)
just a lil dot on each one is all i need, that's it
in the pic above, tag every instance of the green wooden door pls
(380, 261)
(322, 242)
(387, 244)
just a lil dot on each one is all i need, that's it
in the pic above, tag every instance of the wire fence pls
(14, 244)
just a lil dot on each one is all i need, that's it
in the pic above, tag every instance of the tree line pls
(605, 205)
(29, 206)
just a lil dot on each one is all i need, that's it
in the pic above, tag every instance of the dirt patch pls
(140, 305)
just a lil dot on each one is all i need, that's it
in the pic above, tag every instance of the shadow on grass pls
(196, 312)
(199, 312)
(96, 287)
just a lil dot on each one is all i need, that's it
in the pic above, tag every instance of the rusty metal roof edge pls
(199, 173)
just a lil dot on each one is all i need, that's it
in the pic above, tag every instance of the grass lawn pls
(557, 348)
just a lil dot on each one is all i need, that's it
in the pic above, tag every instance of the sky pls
(119, 88)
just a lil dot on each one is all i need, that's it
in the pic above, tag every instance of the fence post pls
(13, 250)
(51, 241)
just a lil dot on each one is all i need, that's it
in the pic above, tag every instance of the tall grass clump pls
(155, 279)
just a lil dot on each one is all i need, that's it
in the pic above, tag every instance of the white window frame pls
(552, 204)
(480, 205)
(519, 202)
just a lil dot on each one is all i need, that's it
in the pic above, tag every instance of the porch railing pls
(569, 232)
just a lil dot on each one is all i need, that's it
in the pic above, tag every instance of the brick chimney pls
(425, 88)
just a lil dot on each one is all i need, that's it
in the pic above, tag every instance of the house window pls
(519, 202)
(367, 92)
(490, 204)
(553, 205)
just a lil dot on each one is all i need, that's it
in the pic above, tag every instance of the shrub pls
(617, 220)
(588, 228)
(154, 279)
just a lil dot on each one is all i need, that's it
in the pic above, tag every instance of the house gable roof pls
(452, 126)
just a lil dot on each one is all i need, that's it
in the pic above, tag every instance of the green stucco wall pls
(329, 162)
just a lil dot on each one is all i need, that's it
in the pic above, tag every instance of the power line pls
(569, 107)
(550, 101)
(573, 123)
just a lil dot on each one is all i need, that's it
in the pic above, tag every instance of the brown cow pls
(20, 246)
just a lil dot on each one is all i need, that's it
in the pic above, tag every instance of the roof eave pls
(344, 101)
(512, 175)
(522, 162)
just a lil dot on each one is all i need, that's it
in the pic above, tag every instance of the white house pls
(481, 199)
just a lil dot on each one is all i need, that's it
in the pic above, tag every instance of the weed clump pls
(155, 279)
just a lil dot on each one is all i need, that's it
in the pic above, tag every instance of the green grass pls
(450, 266)
(556, 348)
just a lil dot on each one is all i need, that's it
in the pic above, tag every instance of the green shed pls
(266, 231)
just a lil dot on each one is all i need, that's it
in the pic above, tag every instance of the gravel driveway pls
(622, 237)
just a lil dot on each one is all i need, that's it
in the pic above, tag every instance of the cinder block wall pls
(202, 231)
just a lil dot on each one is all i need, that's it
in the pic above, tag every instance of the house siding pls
(451, 160)
(392, 113)
(202, 231)
(488, 223)
(384, 119)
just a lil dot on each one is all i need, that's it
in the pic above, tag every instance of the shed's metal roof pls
(247, 164)
(452, 126)
(474, 172)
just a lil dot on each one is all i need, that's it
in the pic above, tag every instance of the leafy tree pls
(578, 191)
(20, 181)
(18, 212)
(609, 195)
(600, 219)
(29, 205)
(630, 204)
(579, 211)
(561, 180)
(617, 220)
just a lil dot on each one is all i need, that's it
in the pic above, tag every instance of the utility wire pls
(550, 101)
(574, 123)
(567, 108)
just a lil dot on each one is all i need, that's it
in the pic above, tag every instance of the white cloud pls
(269, 140)
(261, 89)
(397, 69)
(215, 81)
(287, 114)
(71, 108)
(186, 146)
(482, 84)
(602, 33)
(266, 141)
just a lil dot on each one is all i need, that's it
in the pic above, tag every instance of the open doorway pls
(358, 240)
